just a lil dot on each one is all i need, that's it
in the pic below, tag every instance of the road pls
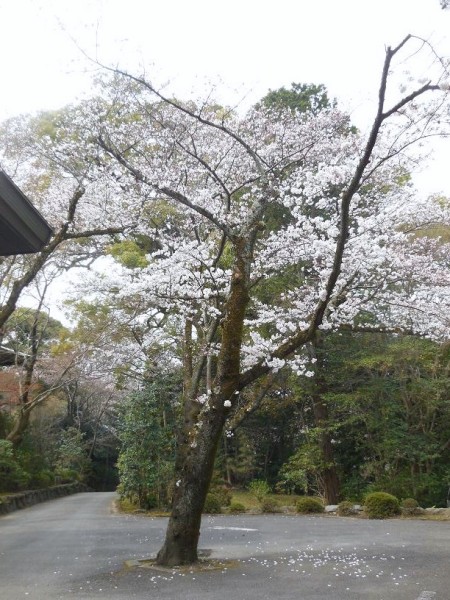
(76, 547)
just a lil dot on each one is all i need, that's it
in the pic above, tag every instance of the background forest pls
(375, 418)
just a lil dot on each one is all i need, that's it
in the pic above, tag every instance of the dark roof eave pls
(23, 229)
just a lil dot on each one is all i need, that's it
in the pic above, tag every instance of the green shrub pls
(223, 493)
(212, 504)
(66, 475)
(42, 479)
(146, 459)
(309, 505)
(149, 501)
(380, 505)
(259, 488)
(346, 509)
(236, 507)
(270, 505)
(410, 506)
(12, 476)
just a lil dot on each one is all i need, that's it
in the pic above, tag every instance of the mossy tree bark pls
(329, 475)
(203, 425)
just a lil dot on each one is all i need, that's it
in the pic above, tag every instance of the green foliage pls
(223, 493)
(303, 97)
(389, 417)
(129, 254)
(26, 323)
(6, 423)
(236, 507)
(263, 441)
(212, 504)
(388, 401)
(259, 488)
(292, 477)
(309, 505)
(270, 505)
(64, 475)
(346, 509)
(302, 472)
(429, 488)
(12, 476)
(73, 462)
(380, 505)
(409, 503)
(147, 432)
(41, 479)
(410, 506)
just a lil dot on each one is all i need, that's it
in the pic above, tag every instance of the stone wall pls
(23, 499)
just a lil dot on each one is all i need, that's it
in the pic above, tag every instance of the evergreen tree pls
(147, 433)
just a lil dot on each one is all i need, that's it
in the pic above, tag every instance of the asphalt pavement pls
(77, 547)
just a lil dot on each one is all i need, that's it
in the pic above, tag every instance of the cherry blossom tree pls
(49, 159)
(257, 231)
(46, 158)
(235, 203)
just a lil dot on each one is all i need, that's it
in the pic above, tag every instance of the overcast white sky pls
(248, 45)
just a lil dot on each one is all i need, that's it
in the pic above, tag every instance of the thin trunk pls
(227, 461)
(21, 422)
(22, 417)
(329, 473)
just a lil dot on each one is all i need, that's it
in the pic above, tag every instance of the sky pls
(243, 47)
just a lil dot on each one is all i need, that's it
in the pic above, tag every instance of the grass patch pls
(248, 500)
(125, 506)
(428, 517)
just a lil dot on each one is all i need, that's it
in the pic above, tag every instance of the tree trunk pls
(193, 472)
(203, 424)
(329, 474)
(21, 422)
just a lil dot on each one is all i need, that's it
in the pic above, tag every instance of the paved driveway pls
(75, 547)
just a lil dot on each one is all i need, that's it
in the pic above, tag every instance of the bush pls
(42, 479)
(236, 507)
(223, 493)
(66, 475)
(259, 488)
(212, 504)
(269, 505)
(12, 476)
(410, 506)
(149, 501)
(309, 505)
(381, 505)
(346, 509)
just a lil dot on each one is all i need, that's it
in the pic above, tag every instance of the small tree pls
(12, 476)
(146, 459)
(72, 461)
